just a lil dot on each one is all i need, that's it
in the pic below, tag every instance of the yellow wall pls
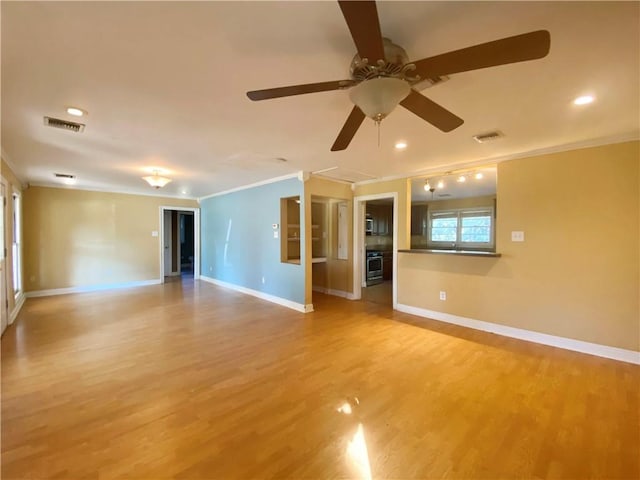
(13, 184)
(403, 188)
(78, 238)
(334, 274)
(577, 274)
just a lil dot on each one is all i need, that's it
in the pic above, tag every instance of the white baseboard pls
(614, 353)
(90, 288)
(16, 308)
(337, 293)
(300, 307)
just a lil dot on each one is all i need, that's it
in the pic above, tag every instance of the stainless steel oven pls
(374, 267)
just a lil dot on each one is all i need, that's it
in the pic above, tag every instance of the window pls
(471, 228)
(16, 245)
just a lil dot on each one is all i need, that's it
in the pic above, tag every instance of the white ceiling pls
(471, 187)
(164, 85)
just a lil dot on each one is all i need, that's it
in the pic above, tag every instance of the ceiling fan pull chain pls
(378, 123)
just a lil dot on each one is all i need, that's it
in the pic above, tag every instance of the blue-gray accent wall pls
(237, 240)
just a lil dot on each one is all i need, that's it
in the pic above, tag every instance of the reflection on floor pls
(381, 294)
(184, 275)
(194, 381)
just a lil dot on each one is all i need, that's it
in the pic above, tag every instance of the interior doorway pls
(378, 262)
(375, 237)
(4, 308)
(179, 243)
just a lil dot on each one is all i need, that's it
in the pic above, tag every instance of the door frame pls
(3, 260)
(178, 244)
(196, 238)
(359, 272)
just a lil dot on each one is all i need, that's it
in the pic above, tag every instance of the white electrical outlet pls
(517, 236)
(154, 233)
(263, 280)
(211, 269)
(443, 295)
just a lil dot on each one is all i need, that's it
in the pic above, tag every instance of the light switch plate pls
(275, 234)
(154, 233)
(517, 236)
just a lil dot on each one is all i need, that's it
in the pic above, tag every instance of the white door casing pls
(196, 239)
(4, 313)
(359, 273)
(167, 245)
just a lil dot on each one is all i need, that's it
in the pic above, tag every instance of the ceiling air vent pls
(64, 175)
(488, 137)
(64, 124)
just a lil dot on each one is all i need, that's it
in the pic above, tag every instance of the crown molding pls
(12, 166)
(482, 162)
(106, 190)
(300, 175)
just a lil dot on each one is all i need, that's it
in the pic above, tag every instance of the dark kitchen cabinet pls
(419, 219)
(382, 219)
(387, 265)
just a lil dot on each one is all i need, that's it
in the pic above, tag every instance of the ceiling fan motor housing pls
(390, 66)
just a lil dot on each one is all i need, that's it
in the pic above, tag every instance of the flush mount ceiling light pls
(441, 184)
(401, 145)
(155, 180)
(76, 112)
(584, 100)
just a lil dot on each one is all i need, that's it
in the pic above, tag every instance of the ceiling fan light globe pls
(379, 96)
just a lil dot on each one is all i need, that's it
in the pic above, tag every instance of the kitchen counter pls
(469, 253)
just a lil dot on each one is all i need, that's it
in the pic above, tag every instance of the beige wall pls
(577, 274)
(78, 238)
(335, 274)
(13, 184)
(403, 188)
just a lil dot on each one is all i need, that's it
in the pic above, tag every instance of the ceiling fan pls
(382, 76)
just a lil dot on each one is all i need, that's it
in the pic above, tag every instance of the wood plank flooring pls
(188, 380)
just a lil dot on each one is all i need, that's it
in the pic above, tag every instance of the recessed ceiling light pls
(462, 179)
(583, 100)
(401, 145)
(76, 112)
(479, 176)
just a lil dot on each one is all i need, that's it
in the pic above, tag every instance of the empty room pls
(331, 239)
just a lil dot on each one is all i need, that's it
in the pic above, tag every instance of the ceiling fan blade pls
(430, 111)
(349, 129)
(528, 46)
(299, 89)
(363, 23)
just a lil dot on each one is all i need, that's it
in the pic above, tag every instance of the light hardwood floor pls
(188, 380)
